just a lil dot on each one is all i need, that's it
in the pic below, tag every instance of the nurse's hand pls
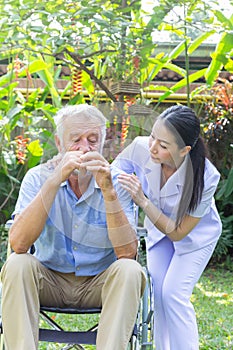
(132, 184)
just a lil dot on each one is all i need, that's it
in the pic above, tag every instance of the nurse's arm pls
(166, 225)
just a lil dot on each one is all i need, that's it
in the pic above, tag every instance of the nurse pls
(170, 177)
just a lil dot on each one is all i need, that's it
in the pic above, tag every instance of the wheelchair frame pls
(142, 335)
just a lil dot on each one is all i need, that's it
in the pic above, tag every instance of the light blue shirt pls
(75, 236)
(136, 159)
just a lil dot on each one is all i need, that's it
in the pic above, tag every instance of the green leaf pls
(87, 83)
(229, 184)
(229, 65)
(35, 148)
(47, 78)
(36, 66)
(223, 19)
(223, 49)
(157, 87)
(178, 50)
(14, 111)
(183, 83)
(199, 40)
(171, 28)
(176, 69)
(6, 78)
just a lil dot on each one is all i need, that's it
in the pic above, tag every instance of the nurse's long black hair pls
(185, 126)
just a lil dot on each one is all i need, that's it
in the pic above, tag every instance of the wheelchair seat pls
(58, 335)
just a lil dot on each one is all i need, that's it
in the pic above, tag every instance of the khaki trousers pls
(27, 284)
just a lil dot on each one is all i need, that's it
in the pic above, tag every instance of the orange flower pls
(136, 62)
(17, 64)
(21, 148)
(124, 130)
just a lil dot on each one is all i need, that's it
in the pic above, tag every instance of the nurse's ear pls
(185, 150)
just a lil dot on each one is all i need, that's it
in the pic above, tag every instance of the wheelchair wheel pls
(146, 325)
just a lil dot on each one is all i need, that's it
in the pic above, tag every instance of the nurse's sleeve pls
(125, 160)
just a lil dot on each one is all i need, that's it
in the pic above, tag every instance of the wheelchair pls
(51, 330)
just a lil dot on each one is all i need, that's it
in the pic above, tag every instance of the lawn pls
(213, 302)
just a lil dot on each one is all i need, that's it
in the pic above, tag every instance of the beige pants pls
(27, 284)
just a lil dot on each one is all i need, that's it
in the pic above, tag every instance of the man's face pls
(80, 136)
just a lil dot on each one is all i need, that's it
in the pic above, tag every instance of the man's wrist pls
(111, 201)
(53, 181)
(109, 195)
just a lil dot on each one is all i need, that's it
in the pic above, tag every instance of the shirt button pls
(77, 268)
(75, 226)
(75, 247)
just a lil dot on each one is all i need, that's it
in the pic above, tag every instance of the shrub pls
(217, 126)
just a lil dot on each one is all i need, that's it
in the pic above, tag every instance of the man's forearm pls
(121, 234)
(29, 224)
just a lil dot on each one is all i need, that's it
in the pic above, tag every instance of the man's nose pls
(83, 146)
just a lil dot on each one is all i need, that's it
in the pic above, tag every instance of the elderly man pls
(81, 223)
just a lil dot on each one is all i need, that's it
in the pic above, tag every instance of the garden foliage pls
(99, 43)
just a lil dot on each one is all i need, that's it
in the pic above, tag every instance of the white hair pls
(84, 112)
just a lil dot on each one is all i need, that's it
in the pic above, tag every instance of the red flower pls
(21, 148)
(76, 81)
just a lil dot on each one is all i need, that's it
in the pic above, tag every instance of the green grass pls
(70, 322)
(213, 302)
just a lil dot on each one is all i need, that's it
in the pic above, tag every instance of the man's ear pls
(184, 151)
(58, 143)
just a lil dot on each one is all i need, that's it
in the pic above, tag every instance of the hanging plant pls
(21, 148)
(76, 81)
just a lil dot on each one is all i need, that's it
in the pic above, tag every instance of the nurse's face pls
(163, 146)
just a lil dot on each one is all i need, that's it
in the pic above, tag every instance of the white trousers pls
(27, 284)
(174, 277)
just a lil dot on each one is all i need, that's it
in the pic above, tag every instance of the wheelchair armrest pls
(8, 224)
(141, 232)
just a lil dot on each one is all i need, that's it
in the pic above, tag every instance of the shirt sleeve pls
(29, 188)
(135, 157)
(125, 160)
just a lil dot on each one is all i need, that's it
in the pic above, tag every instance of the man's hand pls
(65, 164)
(79, 163)
(96, 164)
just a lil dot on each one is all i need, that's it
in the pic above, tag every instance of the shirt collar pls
(174, 183)
(91, 187)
